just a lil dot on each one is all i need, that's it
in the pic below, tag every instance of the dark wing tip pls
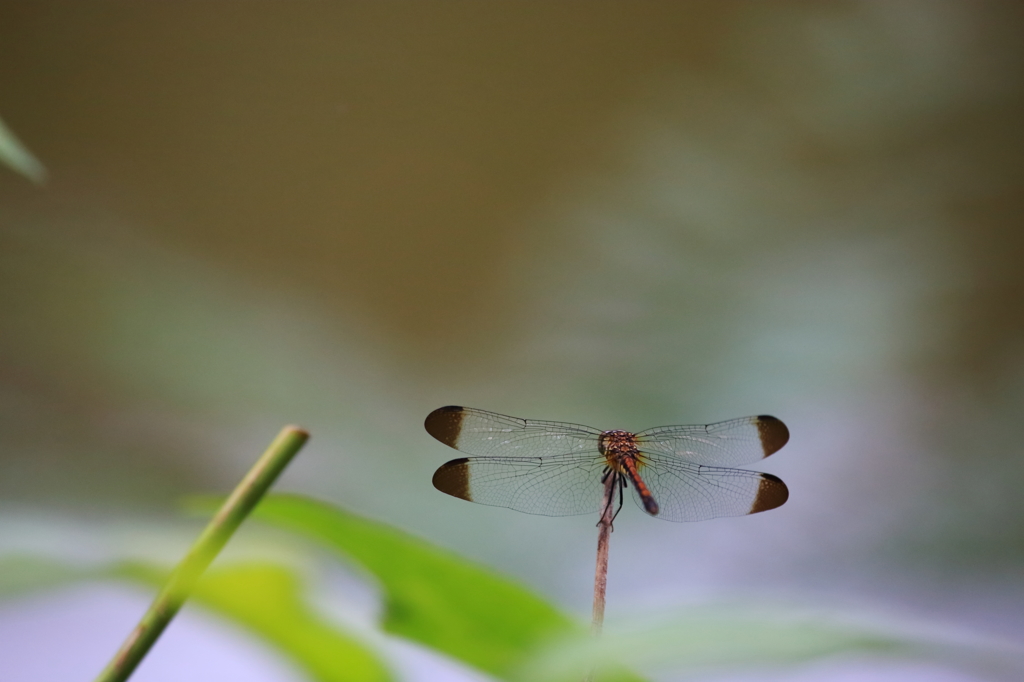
(445, 424)
(453, 478)
(773, 432)
(771, 493)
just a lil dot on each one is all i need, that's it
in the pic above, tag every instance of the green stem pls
(213, 538)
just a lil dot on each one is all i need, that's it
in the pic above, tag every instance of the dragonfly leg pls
(618, 481)
(621, 486)
(609, 496)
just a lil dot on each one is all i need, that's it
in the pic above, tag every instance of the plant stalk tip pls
(175, 591)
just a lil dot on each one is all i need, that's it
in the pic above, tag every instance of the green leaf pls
(18, 157)
(722, 637)
(265, 599)
(431, 595)
(268, 600)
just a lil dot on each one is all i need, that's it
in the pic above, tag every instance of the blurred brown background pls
(621, 214)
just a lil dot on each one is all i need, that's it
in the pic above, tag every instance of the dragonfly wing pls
(728, 443)
(477, 432)
(693, 492)
(562, 485)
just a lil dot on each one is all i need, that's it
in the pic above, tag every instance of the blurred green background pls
(619, 214)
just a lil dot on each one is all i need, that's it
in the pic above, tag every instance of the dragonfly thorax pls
(618, 446)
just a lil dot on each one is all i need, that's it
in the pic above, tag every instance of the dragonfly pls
(676, 473)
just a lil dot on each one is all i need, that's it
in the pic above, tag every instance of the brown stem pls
(604, 530)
